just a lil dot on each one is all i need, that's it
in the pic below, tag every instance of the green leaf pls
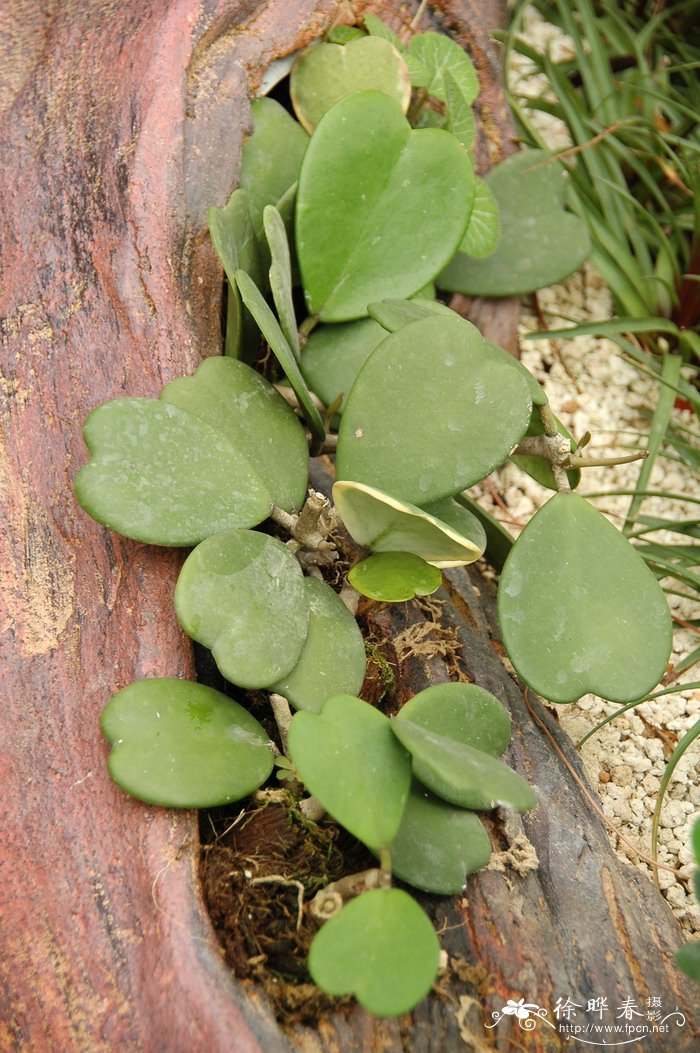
(376, 28)
(499, 541)
(242, 594)
(333, 660)
(381, 948)
(579, 610)
(688, 959)
(539, 468)
(460, 119)
(392, 577)
(270, 328)
(438, 844)
(349, 760)
(236, 244)
(484, 231)
(381, 208)
(281, 276)
(463, 712)
(323, 74)
(459, 519)
(184, 745)
(540, 244)
(431, 412)
(383, 524)
(344, 34)
(270, 162)
(432, 57)
(393, 314)
(334, 355)
(243, 406)
(459, 773)
(161, 475)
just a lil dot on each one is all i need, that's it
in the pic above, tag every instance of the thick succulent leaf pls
(432, 56)
(383, 524)
(393, 577)
(392, 314)
(483, 234)
(459, 519)
(347, 757)
(334, 355)
(459, 773)
(184, 745)
(438, 844)
(281, 276)
(540, 244)
(539, 468)
(537, 392)
(579, 609)
(463, 712)
(242, 406)
(344, 34)
(499, 541)
(333, 660)
(242, 594)
(431, 412)
(234, 238)
(270, 161)
(380, 207)
(382, 948)
(323, 74)
(164, 476)
(460, 119)
(270, 328)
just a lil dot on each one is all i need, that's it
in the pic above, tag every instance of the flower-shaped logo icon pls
(518, 1009)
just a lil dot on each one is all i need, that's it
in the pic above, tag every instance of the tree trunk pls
(121, 125)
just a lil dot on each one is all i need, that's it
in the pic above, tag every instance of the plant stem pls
(385, 866)
(604, 462)
(283, 717)
(307, 327)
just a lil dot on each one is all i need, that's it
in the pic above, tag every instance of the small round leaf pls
(438, 844)
(394, 576)
(333, 660)
(349, 760)
(323, 74)
(463, 712)
(432, 56)
(579, 609)
(184, 745)
(383, 524)
(242, 594)
(381, 948)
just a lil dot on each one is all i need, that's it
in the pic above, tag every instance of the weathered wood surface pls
(120, 124)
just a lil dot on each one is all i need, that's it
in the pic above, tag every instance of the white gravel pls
(591, 388)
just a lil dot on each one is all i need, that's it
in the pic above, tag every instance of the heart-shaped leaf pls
(164, 476)
(242, 594)
(392, 577)
(334, 355)
(438, 844)
(463, 712)
(431, 412)
(432, 56)
(537, 392)
(234, 238)
(460, 119)
(381, 523)
(281, 276)
(459, 773)
(579, 609)
(484, 231)
(270, 328)
(333, 660)
(243, 406)
(184, 745)
(270, 161)
(539, 468)
(541, 243)
(380, 207)
(382, 948)
(349, 760)
(324, 74)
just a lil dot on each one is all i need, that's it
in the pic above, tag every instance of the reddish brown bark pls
(120, 125)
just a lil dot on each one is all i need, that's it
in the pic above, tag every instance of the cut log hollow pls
(121, 125)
